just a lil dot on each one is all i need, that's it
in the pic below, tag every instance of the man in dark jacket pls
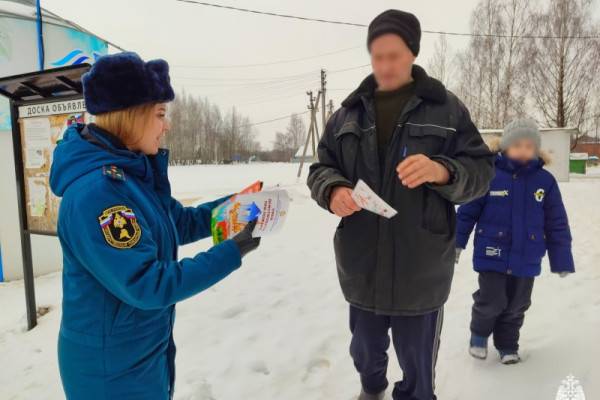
(414, 144)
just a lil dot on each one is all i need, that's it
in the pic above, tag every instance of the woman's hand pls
(244, 240)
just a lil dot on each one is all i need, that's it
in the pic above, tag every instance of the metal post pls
(23, 228)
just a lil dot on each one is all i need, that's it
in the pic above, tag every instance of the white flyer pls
(37, 132)
(37, 196)
(37, 138)
(34, 157)
(366, 198)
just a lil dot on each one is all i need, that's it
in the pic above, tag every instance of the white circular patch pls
(539, 195)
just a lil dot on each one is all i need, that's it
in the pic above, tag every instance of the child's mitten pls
(457, 256)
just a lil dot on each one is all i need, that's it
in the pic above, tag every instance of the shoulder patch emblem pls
(114, 172)
(120, 228)
(539, 195)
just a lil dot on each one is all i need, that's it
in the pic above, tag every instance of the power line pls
(327, 21)
(273, 120)
(271, 62)
(270, 99)
(348, 69)
(264, 82)
(202, 3)
(244, 79)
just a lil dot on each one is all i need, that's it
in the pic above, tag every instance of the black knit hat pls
(402, 23)
(124, 80)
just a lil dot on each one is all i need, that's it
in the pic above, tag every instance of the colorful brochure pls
(270, 208)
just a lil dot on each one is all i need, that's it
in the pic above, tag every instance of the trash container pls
(577, 163)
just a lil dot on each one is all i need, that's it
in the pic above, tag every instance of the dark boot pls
(366, 396)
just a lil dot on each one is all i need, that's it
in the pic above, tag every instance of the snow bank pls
(277, 328)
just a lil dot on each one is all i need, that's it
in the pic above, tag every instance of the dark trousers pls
(499, 308)
(416, 341)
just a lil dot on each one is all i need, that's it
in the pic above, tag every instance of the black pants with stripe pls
(416, 342)
(499, 308)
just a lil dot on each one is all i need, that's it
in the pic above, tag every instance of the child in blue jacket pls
(518, 220)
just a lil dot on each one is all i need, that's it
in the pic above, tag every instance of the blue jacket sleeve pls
(193, 223)
(136, 275)
(558, 233)
(466, 218)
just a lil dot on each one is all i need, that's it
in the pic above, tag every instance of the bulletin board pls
(39, 136)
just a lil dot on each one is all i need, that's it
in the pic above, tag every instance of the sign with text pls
(59, 107)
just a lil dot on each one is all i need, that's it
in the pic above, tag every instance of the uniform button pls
(514, 176)
(532, 236)
(509, 271)
(480, 231)
(500, 233)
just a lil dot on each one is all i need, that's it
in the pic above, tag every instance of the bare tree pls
(296, 132)
(287, 144)
(563, 71)
(489, 67)
(440, 64)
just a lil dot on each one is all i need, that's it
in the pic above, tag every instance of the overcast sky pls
(192, 37)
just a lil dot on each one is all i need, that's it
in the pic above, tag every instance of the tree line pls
(202, 134)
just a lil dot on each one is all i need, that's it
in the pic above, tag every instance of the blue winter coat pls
(119, 229)
(520, 218)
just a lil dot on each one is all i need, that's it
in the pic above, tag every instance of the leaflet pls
(366, 198)
(269, 208)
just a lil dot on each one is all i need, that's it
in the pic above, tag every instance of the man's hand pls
(341, 202)
(418, 169)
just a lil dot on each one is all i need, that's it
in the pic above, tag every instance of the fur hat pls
(124, 80)
(401, 23)
(520, 128)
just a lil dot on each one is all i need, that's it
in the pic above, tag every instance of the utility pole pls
(330, 111)
(323, 98)
(313, 130)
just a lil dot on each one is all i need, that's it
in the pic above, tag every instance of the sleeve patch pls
(120, 228)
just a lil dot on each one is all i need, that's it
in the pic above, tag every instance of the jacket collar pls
(426, 88)
(140, 165)
(513, 166)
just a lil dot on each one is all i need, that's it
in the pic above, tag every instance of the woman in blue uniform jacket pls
(119, 229)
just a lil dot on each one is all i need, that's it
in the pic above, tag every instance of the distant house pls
(588, 144)
(308, 157)
(555, 141)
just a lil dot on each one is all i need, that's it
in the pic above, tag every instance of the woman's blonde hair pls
(128, 124)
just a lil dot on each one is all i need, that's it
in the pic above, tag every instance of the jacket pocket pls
(428, 139)
(124, 319)
(492, 242)
(348, 138)
(437, 216)
(535, 245)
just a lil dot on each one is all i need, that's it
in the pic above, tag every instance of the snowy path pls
(277, 328)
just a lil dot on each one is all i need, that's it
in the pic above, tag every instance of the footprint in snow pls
(317, 363)
(233, 312)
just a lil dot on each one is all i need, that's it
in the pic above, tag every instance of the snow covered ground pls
(277, 328)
